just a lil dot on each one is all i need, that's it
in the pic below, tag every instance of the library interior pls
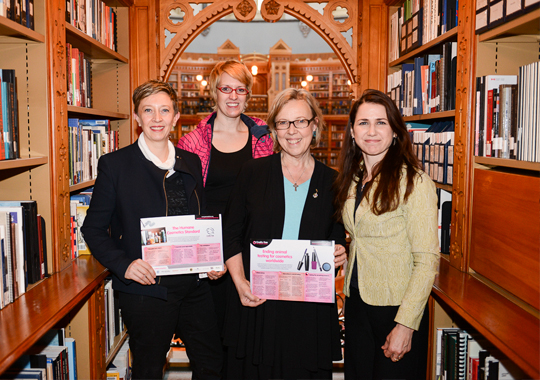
(465, 76)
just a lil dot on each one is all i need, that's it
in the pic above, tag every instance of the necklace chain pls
(295, 185)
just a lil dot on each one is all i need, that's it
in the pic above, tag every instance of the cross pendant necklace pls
(295, 184)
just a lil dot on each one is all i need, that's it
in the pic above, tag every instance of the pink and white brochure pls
(182, 244)
(293, 270)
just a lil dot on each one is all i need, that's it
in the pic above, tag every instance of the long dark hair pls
(389, 169)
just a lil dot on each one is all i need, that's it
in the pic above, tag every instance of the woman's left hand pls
(213, 275)
(340, 255)
(398, 342)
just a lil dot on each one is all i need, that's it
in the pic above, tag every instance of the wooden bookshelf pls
(448, 36)
(513, 330)
(507, 163)
(431, 116)
(526, 24)
(9, 28)
(43, 307)
(75, 111)
(23, 163)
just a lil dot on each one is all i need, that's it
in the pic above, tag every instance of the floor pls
(178, 368)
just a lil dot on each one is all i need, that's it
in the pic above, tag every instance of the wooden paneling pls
(374, 46)
(505, 232)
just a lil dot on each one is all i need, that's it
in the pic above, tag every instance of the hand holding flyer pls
(293, 270)
(182, 244)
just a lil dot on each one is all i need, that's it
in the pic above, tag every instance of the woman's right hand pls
(142, 272)
(246, 297)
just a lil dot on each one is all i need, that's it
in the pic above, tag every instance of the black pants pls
(366, 329)
(151, 323)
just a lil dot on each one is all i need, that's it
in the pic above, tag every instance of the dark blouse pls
(222, 173)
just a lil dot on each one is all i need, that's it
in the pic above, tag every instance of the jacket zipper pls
(165, 192)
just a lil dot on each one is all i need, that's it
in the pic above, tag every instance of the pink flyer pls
(182, 244)
(293, 270)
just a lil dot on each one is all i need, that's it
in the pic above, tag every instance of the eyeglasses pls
(299, 124)
(229, 90)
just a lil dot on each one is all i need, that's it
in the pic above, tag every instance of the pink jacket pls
(199, 141)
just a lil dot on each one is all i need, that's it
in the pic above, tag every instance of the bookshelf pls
(489, 283)
(71, 297)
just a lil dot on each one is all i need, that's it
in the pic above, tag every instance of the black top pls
(286, 333)
(222, 173)
(130, 187)
(357, 201)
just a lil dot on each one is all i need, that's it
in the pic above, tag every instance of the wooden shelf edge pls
(508, 163)
(97, 112)
(512, 330)
(118, 342)
(11, 28)
(443, 186)
(81, 185)
(509, 27)
(431, 116)
(23, 163)
(90, 46)
(43, 306)
(442, 38)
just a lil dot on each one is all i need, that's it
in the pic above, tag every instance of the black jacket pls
(302, 334)
(130, 187)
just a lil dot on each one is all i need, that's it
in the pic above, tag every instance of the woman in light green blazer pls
(389, 207)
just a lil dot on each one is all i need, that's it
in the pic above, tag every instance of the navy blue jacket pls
(130, 187)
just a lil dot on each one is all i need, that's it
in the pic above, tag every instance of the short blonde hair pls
(285, 97)
(235, 69)
(153, 87)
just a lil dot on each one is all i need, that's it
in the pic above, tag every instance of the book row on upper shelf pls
(460, 356)
(428, 85)
(491, 13)
(9, 115)
(89, 139)
(79, 78)
(23, 249)
(418, 22)
(507, 118)
(95, 19)
(434, 147)
(20, 11)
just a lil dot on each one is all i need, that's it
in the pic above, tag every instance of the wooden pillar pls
(373, 41)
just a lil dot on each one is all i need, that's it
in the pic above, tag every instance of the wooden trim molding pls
(59, 147)
(271, 10)
(462, 172)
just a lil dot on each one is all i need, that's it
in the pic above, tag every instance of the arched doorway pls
(325, 24)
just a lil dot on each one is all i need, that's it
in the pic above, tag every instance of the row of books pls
(23, 249)
(53, 357)
(444, 206)
(94, 18)
(114, 324)
(506, 116)
(9, 115)
(434, 148)
(120, 368)
(79, 78)
(417, 22)
(428, 85)
(89, 140)
(460, 357)
(79, 204)
(20, 11)
(490, 13)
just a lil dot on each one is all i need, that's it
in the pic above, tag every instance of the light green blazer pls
(397, 253)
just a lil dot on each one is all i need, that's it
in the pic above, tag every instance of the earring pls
(394, 143)
(314, 134)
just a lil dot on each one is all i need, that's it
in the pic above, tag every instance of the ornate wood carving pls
(272, 10)
(462, 172)
(61, 238)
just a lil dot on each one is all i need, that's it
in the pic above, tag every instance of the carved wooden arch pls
(271, 10)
